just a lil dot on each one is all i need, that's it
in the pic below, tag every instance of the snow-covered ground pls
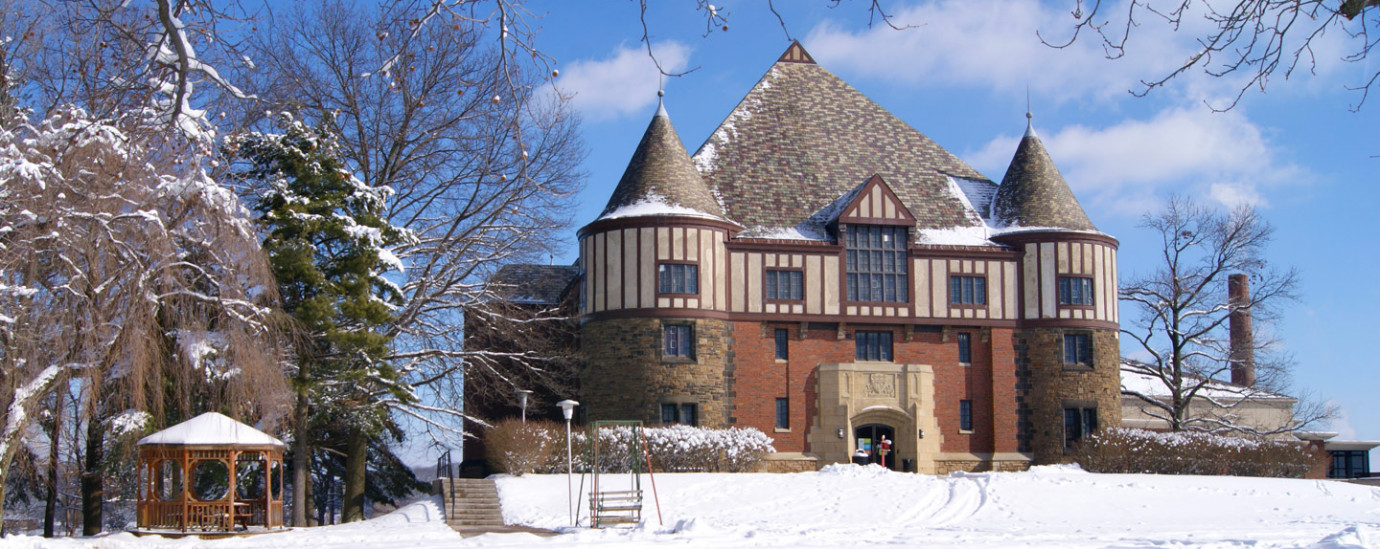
(850, 506)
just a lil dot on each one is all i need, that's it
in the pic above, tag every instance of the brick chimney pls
(1242, 341)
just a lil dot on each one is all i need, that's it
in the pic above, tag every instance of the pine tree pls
(328, 245)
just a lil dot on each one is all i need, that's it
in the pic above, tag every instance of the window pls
(783, 337)
(1078, 423)
(678, 340)
(686, 413)
(1075, 290)
(965, 348)
(965, 415)
(872, 345)
(967, 290)
(787, 285)
(1078, 350)
(876, 263)
(678, 278)
(783, 413)
(1349, 464)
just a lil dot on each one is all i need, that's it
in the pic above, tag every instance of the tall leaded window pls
(678, 278)
(1078, 349)
(965, 415)
(678, 340)
(1078, 422)
(783, 338)
(876, 263)
(1075, 290)
(965, 348)
(968, 290)
(872, 345)
(783, 413)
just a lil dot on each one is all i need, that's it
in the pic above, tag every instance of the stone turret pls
(1068, 342)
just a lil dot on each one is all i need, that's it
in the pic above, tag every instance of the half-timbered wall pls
(1045, 262)
(621, 267)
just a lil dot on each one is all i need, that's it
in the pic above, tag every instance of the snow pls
(211, 428)
(1152, 386)
(655, 205)
(853, 506)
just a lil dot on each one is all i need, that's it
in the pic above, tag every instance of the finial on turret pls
(660, 103)
(1029, 118)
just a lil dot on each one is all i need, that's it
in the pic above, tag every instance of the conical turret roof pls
(1034, 194)
(660, 178)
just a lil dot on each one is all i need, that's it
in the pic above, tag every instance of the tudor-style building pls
(823, 272)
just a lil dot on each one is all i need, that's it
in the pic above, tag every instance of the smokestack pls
(1242, 341)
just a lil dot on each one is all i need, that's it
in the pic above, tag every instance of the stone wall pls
(1054, 385)
(627, 378)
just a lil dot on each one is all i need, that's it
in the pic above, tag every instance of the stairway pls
(470, 502)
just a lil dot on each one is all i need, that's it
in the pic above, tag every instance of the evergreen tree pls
(328, 245)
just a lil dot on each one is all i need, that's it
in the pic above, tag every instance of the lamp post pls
(568, 410)
(522, 401)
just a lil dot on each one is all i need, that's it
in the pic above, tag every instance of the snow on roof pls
(977, 192)
(1149, 385)
(655, 205)
(211, 428)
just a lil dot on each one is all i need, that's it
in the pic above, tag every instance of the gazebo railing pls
(209, 516)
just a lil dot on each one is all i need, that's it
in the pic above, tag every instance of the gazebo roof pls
(211, 429)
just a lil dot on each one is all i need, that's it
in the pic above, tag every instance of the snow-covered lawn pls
(849, 506)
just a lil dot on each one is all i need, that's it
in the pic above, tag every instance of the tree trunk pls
(92, 489)
(356, 452)
(54, 456)
(301, 462)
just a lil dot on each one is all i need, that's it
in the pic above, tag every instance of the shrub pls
(677, 448)
(1193, 453)
(518, 448)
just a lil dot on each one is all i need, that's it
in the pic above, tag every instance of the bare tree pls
(1256, 39)
(1182, 313)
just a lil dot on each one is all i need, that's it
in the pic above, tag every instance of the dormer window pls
(876, 263)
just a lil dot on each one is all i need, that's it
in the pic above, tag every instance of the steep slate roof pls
(1033, 194)
(534, 284)
(801, 138)
(660, 178)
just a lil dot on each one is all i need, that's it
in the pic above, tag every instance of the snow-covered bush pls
(677, 448)
(1193, 453)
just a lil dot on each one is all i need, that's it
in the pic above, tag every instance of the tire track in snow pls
(963, 496)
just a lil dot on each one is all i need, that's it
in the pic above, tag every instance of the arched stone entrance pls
(868, 438)
(899, 397)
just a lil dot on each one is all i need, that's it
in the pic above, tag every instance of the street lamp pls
(568, 410)
(522, 401)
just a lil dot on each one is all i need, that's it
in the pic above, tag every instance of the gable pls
(876, 204)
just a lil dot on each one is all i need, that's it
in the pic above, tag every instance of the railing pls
(209, 516)
(444, 467)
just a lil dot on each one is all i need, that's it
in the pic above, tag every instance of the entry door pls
(868, 437)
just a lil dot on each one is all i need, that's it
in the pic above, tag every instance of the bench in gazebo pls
(210, 475)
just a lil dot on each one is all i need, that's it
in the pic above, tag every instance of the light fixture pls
(568, 410)
(920, 433)
(522, 401)
(840, 433)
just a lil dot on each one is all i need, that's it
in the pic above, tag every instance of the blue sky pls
(961, 75)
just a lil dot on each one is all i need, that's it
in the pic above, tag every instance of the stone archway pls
(900, 396)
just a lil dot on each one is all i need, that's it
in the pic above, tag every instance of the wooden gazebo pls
(210, 475)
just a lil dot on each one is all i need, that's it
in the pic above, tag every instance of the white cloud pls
(1223, 156)
(996, 46)
(624, 83)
